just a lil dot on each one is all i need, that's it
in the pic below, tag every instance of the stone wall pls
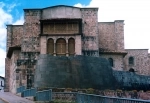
(77, 38)
(85, 72)
(17, 32)
(141, 61)
(61, 12)
(90, 31)
(107, 37)
(14, 39)
(13, 76)
(119, 31)
(73, 72)
(9, 39)
(14, 35)
(31, 40)
(117, 61)
(7, 75)
(131, 81)
(111, 35)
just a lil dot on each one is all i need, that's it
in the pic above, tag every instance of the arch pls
(50, 46)
(111, 62)
(131, 61)
(61, 47)
(131, 70)
(71, 46)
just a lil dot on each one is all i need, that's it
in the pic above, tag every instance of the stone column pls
(67, 54)
(54, 47)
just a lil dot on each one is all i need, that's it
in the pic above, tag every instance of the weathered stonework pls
(44, 39)
(73, 72)
(13, 76)
(141, 61)
(111, 35)
(117, 61)
(14, 35)
(7, 74)
(30, 39)
(90, 38)
(90, 31)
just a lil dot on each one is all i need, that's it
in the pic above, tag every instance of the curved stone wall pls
(131, 81)
(85, 72)
(73, 72)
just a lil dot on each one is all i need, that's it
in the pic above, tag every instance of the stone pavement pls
(1, 101)
(11, 98)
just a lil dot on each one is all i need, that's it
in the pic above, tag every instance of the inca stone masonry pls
(49, 35)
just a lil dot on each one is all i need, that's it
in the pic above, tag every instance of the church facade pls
(67, 31)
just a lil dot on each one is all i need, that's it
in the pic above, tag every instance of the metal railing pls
(45, 95)
(90, 98)
(64, 96)
(29, 92)
(48, 95)
(20, 89)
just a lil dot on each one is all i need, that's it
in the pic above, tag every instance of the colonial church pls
(67, 31)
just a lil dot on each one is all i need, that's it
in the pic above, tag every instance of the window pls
(71, 46)
(61, 27)
(131, 61)
(131, 70)
(111, 62)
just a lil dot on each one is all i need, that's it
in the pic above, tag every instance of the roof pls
(107, 51)
(60, 6)
(136, 49)
(2, 77)
(112, 21)
(11, 49)
(61, 19)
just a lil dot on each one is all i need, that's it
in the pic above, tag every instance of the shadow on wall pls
(131, 80)
(73, 72)
(84, 72)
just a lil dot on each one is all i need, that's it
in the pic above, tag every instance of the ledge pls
(11, 49)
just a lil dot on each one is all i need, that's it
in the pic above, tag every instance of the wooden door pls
(61, 47)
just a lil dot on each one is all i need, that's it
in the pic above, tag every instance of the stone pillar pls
(78, 45)
(119, 31)
(54, 47)
(67, 54)
(43, 45)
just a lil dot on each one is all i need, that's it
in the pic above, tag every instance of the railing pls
(45, 95)
(29, 92)
(64, 96)
(90, 98)
(74, 97)
(20, 89)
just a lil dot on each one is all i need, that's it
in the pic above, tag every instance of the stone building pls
(1, 84)
(66, 31)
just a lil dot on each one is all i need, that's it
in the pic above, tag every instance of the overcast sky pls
(135, 13)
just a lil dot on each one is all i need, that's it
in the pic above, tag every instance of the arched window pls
(61, 47)
(111, 62)
(131, 61)
(71, 46)
(131, 70)
(50, 46)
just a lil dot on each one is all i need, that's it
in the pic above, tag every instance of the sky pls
(135, 13)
